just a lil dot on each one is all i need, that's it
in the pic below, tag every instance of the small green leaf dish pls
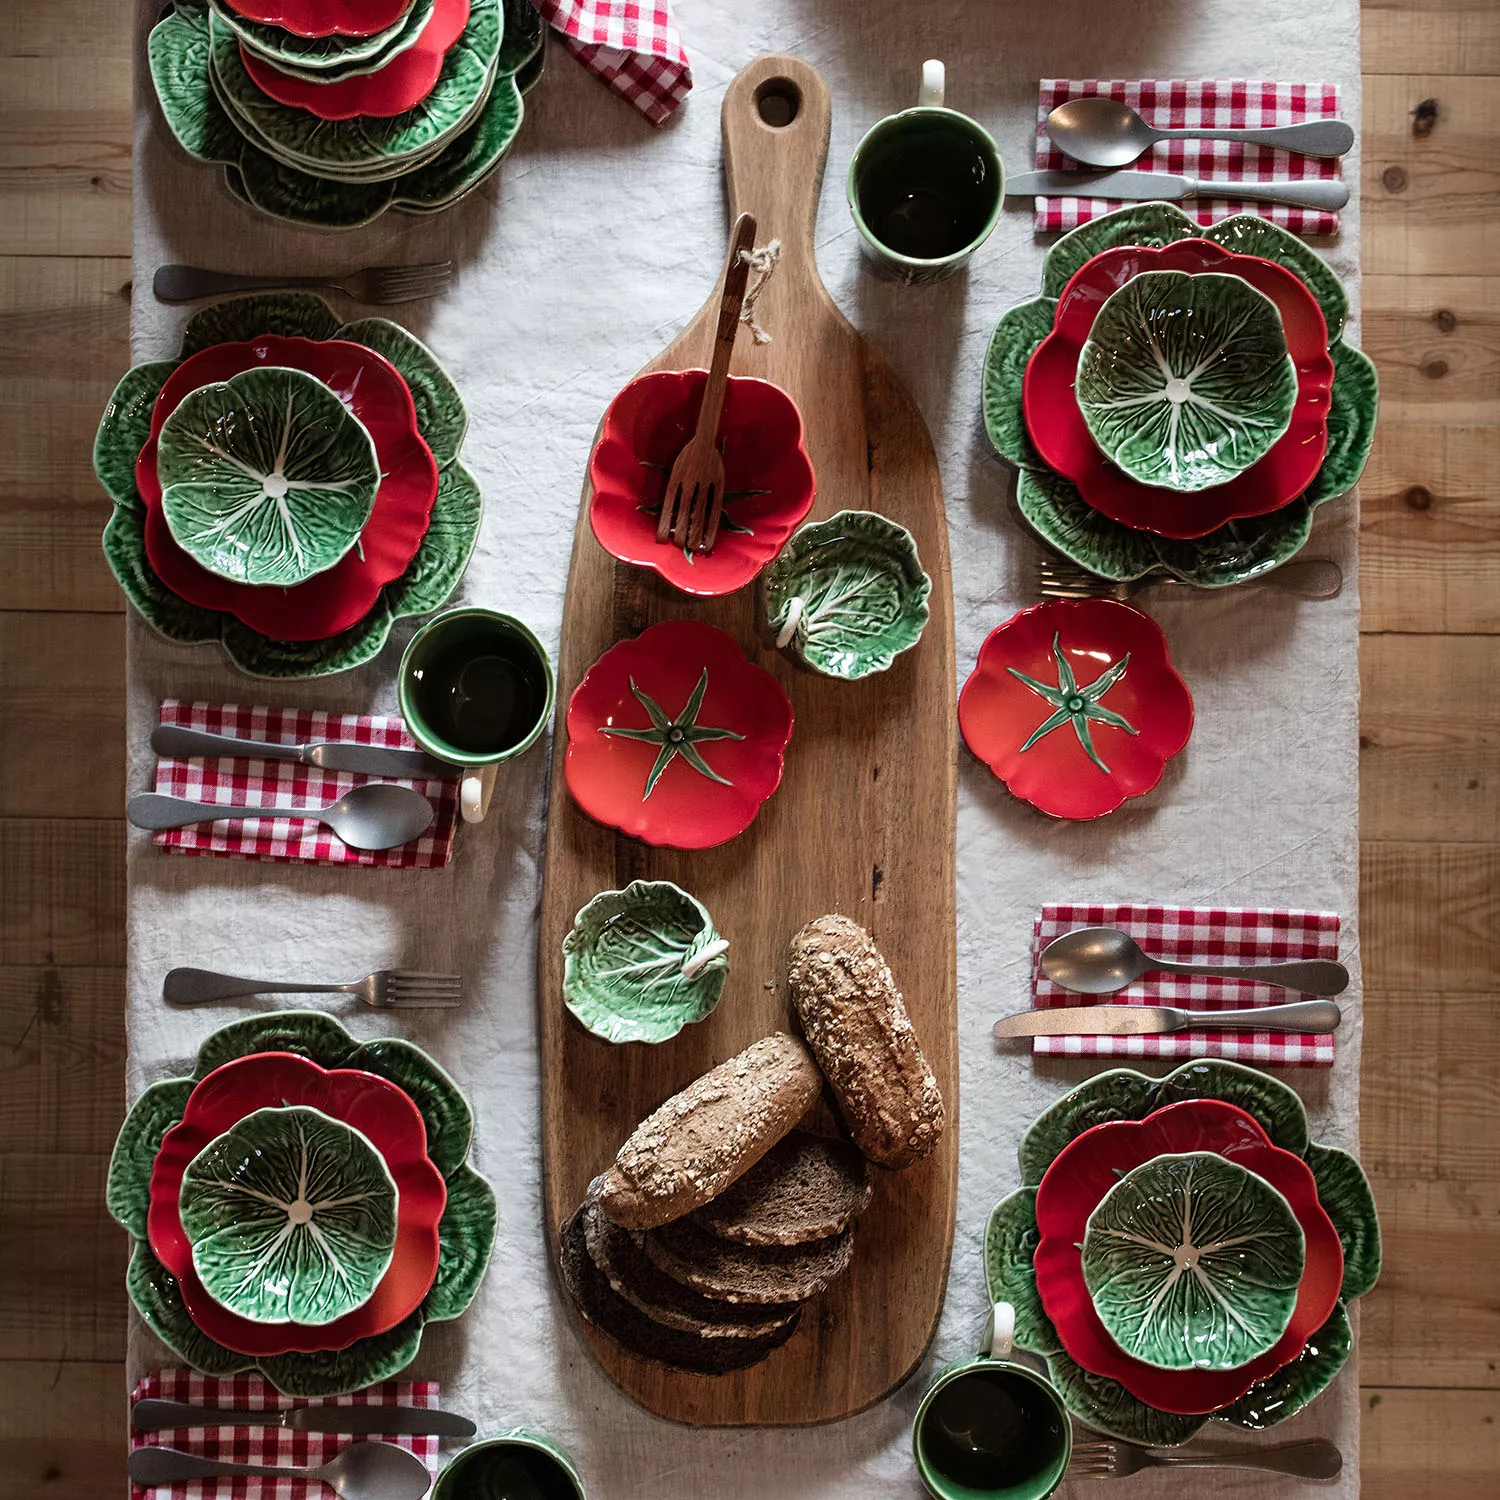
(292, 1217)
(1185, 380)
(1239, 550)
(427, 582)
(266, 478)
(1194, 1263)
(847, 595)
(642, 963)
(466, 1231)
(1011, 1239)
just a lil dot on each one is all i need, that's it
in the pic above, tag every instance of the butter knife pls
(1156, 1020)
(1327, 193)
(152, 1415)
(329, 755)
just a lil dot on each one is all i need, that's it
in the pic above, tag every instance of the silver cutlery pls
(385, 989)
(1316, 1458)
(1303, 578)
(1318, 193)
(326, 755)
(374, 284)
(1316, 1016)
(377, 815)
(362, 1471)
(1102, 960)
(152, 1415)
(1109, 133)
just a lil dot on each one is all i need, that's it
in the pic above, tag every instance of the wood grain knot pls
(1418, 497)
(1393, 179)
(1434, 369)
(1445, 320)
(1424, 117)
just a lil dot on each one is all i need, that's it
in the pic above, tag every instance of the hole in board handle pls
(778, 102)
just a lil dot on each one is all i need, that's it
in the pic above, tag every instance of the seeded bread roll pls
(718, 1127)
(857, 1026)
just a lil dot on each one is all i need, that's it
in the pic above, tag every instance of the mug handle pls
(475, 793)
(999, 1332)
(934, 85)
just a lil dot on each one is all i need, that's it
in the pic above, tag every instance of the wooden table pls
(1430, 1344)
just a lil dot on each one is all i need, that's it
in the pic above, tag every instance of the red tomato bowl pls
(768, 478)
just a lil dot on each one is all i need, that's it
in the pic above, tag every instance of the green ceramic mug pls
(476, 689)
(517, 1464)
(990, 1429)
(925, 187)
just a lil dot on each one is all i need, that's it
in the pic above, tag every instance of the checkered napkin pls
(632, 45)
(1214, 104)
(284, 784)
(273, 1446)
(1193, 935)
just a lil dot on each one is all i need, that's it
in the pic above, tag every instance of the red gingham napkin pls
(632, 45)
(1214, 103)
(284, 784)
(273, 1446)
(1193, 935)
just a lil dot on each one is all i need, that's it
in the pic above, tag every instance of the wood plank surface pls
(862, 824)
(1430, 567)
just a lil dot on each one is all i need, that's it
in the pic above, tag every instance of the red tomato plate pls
(323, 17)
(381, 1112)
(1062, 437)
(373, 389)
(1075, 706)
(676, 739)
(768, 477)
(402, 84)
(1091, 1164)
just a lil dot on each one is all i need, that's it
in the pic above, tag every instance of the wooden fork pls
(694, 499)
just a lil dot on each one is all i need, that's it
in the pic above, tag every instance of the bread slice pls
(641, 1336)
(663, 1300)
(728, 1272)
(700, 1140)
(804, 1188)
(857, 1026)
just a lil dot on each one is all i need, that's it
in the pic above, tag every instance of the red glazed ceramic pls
(676, 739)
(381, 1112)
(372, 388)
(323, 17)
(1062, 437)
(769, 484)
(402, 84)
(1075, 706)
(1092, 1163)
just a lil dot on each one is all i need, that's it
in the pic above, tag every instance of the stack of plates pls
(1189, 1259)
(327, 112)
(1179, 399)
(288, 486)
(302, 1205)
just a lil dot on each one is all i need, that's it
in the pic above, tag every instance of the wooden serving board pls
(863, 822)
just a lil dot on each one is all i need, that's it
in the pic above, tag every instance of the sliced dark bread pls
(728, 1272)
(804, 1188)
(640, 1335)
(646, 1287)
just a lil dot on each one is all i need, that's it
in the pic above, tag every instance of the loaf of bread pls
(718, 1127)
(857, 1026)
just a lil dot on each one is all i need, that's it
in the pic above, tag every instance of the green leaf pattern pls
(678, 736)
(1076, 705)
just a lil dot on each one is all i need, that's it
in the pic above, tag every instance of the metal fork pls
(1306, 578)
(386, 989)
(1314, 1459)
(374, 284)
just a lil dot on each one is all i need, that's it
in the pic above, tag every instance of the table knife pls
(1157, 1020)
(364, 760)
(1327, 193)
(152, 1415)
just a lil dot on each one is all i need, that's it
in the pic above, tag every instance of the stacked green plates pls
(339, 174)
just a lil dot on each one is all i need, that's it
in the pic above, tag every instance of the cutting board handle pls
(776, 119)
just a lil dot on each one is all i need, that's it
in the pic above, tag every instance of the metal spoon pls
(362, 1471)
(1101, 960)
(378, 815)
(1106, 133)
